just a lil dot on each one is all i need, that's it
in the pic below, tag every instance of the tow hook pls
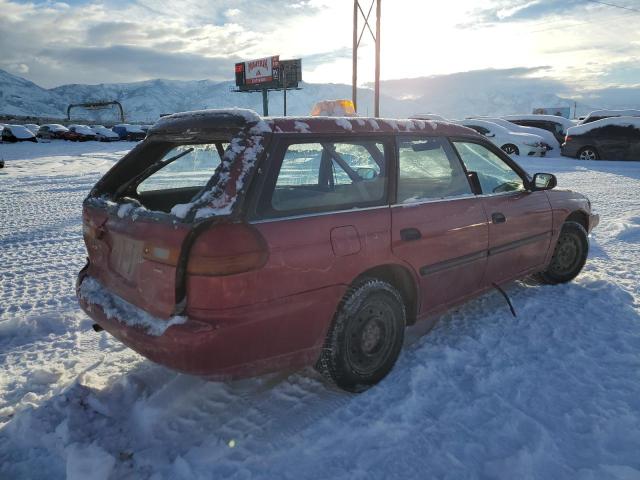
(97, 328)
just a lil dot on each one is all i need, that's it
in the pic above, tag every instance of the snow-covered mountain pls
(453, 96)
(19, 96)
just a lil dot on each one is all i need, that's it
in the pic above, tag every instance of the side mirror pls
(489, 135)
(543, 181)
(366, 173)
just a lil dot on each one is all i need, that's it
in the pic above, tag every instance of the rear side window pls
(193, 168)
(327, 175)
(428, 169)
(495, 175)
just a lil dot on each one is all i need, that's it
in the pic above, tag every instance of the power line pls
(631, 9)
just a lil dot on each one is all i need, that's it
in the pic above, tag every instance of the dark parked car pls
(556, 125)
(226, 245)
(83, 132)
(610, 138)
(53, 131)
(129, 132)
(17, 133)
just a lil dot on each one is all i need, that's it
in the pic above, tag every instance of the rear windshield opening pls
(175, 174)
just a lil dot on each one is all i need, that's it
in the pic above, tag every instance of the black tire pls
(366, 336)
(588, 153)
(569, 256)
(510, 149)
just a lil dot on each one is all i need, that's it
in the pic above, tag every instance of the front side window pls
(329, 175)
(428, 170)
(494, 174)
(193, 167)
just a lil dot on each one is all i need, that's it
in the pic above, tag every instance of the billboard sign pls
(260, 70)
(557, 111)
(268, 73)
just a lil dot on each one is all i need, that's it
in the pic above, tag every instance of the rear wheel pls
(588, 153)
(569, 255)
(510, 149)
(366, 337)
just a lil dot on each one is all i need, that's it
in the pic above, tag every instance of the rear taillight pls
(224, 249)
(567, 138)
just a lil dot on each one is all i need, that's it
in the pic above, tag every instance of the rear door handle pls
(498, 217)
(409, 234)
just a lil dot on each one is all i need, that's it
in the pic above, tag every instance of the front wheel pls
(510, 149)
(588, 153)
(569, 256)
(366, 337)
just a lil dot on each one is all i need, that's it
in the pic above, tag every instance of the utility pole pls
(265, 102)
(377, 85)
(357, 8)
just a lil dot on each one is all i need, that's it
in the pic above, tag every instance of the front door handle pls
(409, 234)
(498, 217)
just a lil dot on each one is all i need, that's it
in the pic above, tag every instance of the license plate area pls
(126, 256)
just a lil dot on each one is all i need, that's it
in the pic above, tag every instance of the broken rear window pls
(193, 167)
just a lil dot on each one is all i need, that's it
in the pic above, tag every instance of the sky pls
(579, 44)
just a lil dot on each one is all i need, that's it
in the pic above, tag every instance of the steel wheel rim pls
(567, 255)
(509, 149)
(369, 337)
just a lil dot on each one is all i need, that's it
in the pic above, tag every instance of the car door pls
(634, 144)
(324, 211)
(438, 225)
(520, 225)
(612, 141)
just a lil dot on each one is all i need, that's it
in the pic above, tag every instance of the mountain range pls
(453, 96)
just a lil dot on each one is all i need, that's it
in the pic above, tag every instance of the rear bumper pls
(568, 150)
(283, 334)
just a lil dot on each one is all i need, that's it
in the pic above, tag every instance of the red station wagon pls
(226, 245)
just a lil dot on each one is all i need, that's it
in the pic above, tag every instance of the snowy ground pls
(553, 393)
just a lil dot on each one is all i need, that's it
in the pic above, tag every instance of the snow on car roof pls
(614, 113)
(565, 122)
(237, 117)
(19, 131)
(620, 121)
(55, 126)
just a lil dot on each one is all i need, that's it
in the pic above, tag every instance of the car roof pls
(238, 118)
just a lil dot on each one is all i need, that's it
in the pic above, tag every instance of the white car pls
(511, 142)
(547, 137)
(600, 114)
(32, 127)
(104, 134)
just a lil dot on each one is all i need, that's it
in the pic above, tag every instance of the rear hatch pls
(139, 219)
(135, 259)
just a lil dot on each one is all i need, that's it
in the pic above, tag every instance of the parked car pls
(53, 131)
(17, 133)
(129, 132)
(600, 114)
(84, 132)
(32, 127)
(553, 123)
(511, 142)
(103, 134)
(548, 139)
(611, 138)
(315, 241)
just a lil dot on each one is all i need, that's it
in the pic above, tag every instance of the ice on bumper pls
(116, 308)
